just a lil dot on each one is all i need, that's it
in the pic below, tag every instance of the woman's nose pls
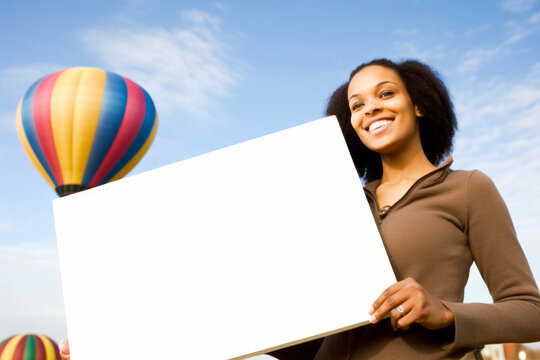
(371, 107)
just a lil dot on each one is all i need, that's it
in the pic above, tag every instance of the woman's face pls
(382, 113)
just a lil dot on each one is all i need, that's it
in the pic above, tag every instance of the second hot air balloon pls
(29, 347)
(83, 127)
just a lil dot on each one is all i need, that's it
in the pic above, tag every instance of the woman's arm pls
(515, 314)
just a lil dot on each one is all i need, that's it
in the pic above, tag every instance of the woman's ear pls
(417, 111)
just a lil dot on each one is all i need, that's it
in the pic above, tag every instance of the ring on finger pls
(400, 309)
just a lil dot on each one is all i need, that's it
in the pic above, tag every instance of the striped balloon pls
(83, 127)
(29, 347)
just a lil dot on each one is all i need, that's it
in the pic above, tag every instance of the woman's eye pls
(386, 93)
(356, 106)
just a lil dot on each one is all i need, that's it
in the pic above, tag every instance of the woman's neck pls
(405, 166)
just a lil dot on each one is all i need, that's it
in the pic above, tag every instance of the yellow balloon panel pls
(50, 353)
(62, 111)
(9, 350)
(86, 117)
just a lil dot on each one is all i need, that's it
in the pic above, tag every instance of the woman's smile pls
(378, 125)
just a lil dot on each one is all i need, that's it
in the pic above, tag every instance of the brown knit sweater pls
(447, 220)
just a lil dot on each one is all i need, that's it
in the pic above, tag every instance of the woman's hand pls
(408, 302)
(64, 350)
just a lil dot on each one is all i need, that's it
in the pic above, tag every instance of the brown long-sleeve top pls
(447, 220)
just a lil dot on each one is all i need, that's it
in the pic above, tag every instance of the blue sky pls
(224, 72)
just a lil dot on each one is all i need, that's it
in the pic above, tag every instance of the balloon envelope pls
(29, 347)
(83, 127)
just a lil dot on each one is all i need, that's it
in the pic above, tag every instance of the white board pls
(226, 255)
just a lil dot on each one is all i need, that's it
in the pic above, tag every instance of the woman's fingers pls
(384, 296)
(407, 302)
(390, 299)
(398, 313)
(64, 350)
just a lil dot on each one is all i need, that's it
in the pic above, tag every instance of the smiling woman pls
(384, 117)
(399, 124)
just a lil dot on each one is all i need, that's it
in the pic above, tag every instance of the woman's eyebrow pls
(376, 86)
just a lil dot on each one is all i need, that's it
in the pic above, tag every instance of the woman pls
(399, 123)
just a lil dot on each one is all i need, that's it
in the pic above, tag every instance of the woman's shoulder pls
(470, 177)
(475, 183)
(463, 175)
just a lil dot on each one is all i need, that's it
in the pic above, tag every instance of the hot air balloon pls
(29, 347)
(83, 127)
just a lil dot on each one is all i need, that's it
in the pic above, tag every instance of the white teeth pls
(378, 124)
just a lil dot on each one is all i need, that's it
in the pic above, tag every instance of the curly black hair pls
(437, 124)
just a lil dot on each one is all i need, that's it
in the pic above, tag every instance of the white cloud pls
(29, 258)
(31, 292)
(517, 6)
(476, 30)
(411, 49)
(8, 226)
(14, 81)
(405, 32)
(8, 146)
(500, 135)
(186, 69)
(7, 121)
(535, 18)
(473, 59)
(515, 31)
(138, 4)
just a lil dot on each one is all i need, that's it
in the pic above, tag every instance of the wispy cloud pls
(405, 32)
(8, 146)
(517, 6)
(535, 18)
(138, 4)
(500, 135)
(476, 30)
(7, 121)
(30, 283)
(412, 49)
(14, 81)
(29, 258)
(474, 59)
(186, 69)
(8, 226)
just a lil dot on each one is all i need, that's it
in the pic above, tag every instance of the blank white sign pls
(226, 255)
